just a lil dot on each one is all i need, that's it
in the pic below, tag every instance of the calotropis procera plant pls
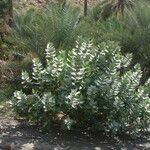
(84, 88)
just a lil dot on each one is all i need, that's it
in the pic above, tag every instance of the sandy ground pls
(21, 135)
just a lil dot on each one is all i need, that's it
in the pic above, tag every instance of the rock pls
(28, 146)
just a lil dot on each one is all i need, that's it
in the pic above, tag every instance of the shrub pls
(84, 89)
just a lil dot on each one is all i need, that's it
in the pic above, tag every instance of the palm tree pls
(116, 7)
(120, 5)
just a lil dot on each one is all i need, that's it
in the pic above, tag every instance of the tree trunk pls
(85, 7)
(10, 8)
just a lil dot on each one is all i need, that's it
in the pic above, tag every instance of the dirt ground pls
(21, 135)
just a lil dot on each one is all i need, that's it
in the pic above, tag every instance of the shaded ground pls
(25, 136)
